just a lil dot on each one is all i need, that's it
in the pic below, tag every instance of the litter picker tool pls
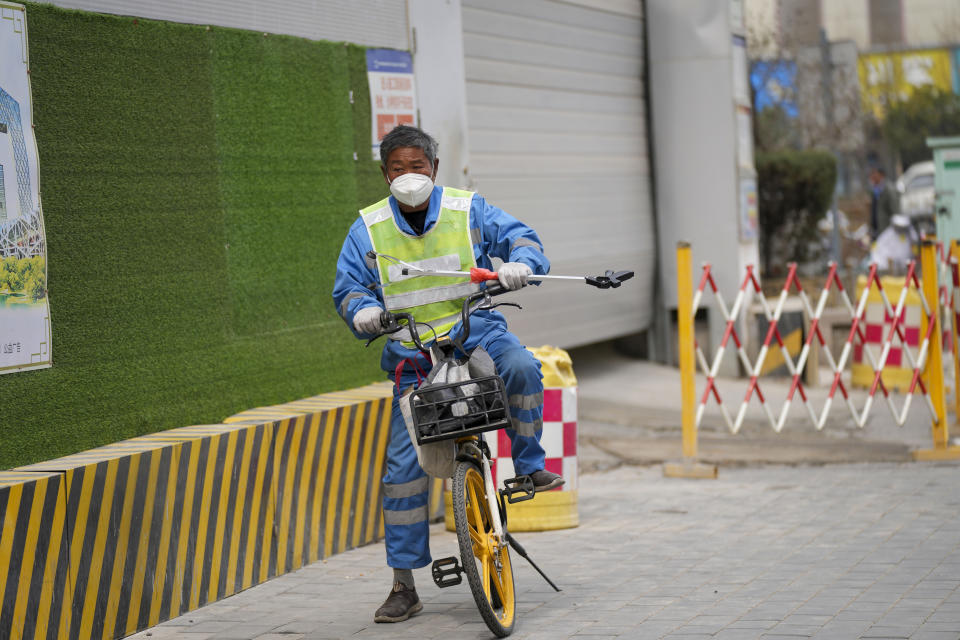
(609, 280)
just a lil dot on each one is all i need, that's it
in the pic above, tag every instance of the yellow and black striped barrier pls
(33, 553)
(109, 541)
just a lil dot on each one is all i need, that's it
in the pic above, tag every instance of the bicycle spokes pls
(480, 525)
(488, 558)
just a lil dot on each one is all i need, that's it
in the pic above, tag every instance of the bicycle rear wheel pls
(486, 560)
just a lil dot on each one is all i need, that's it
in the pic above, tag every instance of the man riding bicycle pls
(445, 229)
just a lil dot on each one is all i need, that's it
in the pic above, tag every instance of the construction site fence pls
(902, 331)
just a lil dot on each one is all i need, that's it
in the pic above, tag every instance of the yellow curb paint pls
(6, 535)
(189, 494)
(99, 546)
(319, 498)
(349, 481)
(304, 521)
(369, 428)
(160, 575)
(236, 534)
(29, 549)
(283, 535)
(334, 491)
(226, 483)
(381, 452)
(255, 525)
(139, 570)
(57, 530)
(120, 549)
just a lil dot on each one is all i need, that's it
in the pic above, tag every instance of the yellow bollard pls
(688, 467)
(933, 371)
(955, 330)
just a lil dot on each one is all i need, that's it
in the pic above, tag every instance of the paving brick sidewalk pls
(834, 551)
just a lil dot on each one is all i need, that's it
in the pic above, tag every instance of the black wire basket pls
(444, 411)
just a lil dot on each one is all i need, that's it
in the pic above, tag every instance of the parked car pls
(917, 195)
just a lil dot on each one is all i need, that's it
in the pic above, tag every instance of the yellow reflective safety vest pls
(446, 246)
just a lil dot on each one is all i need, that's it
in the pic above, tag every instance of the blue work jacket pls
(502, 236)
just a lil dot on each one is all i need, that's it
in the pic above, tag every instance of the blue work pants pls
(405, 485)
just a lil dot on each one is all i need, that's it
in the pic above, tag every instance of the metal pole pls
(826, 77)
(685, 340)
(688, 467)
(933, 374)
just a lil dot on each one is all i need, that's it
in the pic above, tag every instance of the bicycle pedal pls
(447, 572)
(518, 489)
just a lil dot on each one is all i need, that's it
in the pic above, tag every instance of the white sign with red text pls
(393, 99)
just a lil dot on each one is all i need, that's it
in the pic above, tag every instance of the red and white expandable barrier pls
(750, 288)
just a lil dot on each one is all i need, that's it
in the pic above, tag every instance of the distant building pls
(871, 24)
(12, 144)
(3, 198)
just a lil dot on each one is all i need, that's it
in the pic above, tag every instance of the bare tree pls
(833, 121)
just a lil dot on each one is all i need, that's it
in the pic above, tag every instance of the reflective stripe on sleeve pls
(525, 242)
(346, 302)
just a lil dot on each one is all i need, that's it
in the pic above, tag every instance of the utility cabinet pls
(946, 159)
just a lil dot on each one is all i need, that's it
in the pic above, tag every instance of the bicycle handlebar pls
(390, 322)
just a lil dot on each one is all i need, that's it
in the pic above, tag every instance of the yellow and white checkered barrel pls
(556, 509)
(876, 323)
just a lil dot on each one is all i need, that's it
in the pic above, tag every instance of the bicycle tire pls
(480, 554)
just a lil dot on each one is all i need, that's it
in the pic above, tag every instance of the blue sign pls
(389, 61)
(774, 84)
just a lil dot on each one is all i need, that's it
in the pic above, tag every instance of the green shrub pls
(926, 113)
(38, 265)
(15, 273)
(794, 192)
(34, 288)
(7, 266)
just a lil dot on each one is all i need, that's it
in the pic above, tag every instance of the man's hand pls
(367, 320)
(513, 275)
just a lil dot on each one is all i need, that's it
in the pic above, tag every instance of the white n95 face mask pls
(412, 189)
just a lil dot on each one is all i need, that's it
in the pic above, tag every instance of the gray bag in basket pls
(438, 458)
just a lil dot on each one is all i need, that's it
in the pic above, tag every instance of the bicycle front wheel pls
(486, 559)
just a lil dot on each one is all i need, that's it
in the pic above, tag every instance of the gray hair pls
(406, 136)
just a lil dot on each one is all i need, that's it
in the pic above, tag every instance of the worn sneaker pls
(544, 480)
(399, 605)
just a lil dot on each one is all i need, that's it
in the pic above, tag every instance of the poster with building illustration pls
(24, 310)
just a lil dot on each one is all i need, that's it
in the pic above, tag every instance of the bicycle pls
(463, 411)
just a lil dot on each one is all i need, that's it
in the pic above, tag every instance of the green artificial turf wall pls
(197, 184)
